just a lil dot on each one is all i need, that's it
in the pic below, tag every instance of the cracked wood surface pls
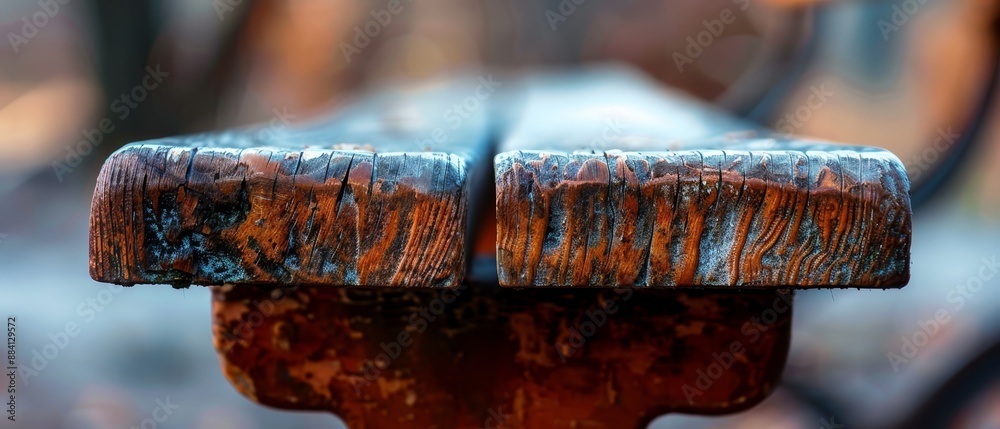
(606, 182)
(377, 196)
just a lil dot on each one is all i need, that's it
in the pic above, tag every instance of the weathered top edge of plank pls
(194, 167)
(403, 119)
(465, 144)
(762, 143)
(176, 147)
(876, 167)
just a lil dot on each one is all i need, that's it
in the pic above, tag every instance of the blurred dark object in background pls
(914, 77)
(912, 81)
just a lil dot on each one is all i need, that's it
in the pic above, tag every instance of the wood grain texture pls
(377, 196)
(543, 358)
(661, 202)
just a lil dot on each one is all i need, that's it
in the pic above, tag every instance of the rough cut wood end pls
(764, 213)
(375, 194)
(184, 215)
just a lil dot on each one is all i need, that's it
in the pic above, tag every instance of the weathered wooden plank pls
(376, 196)
(608, 181)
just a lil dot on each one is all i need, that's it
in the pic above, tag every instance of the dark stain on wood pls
(378, 196)
(477, 350)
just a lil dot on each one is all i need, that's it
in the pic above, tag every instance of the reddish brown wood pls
(453, 358)
(465, 355)
(378, 196)
(673, 206)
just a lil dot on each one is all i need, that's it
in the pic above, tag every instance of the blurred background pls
(80, 78)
